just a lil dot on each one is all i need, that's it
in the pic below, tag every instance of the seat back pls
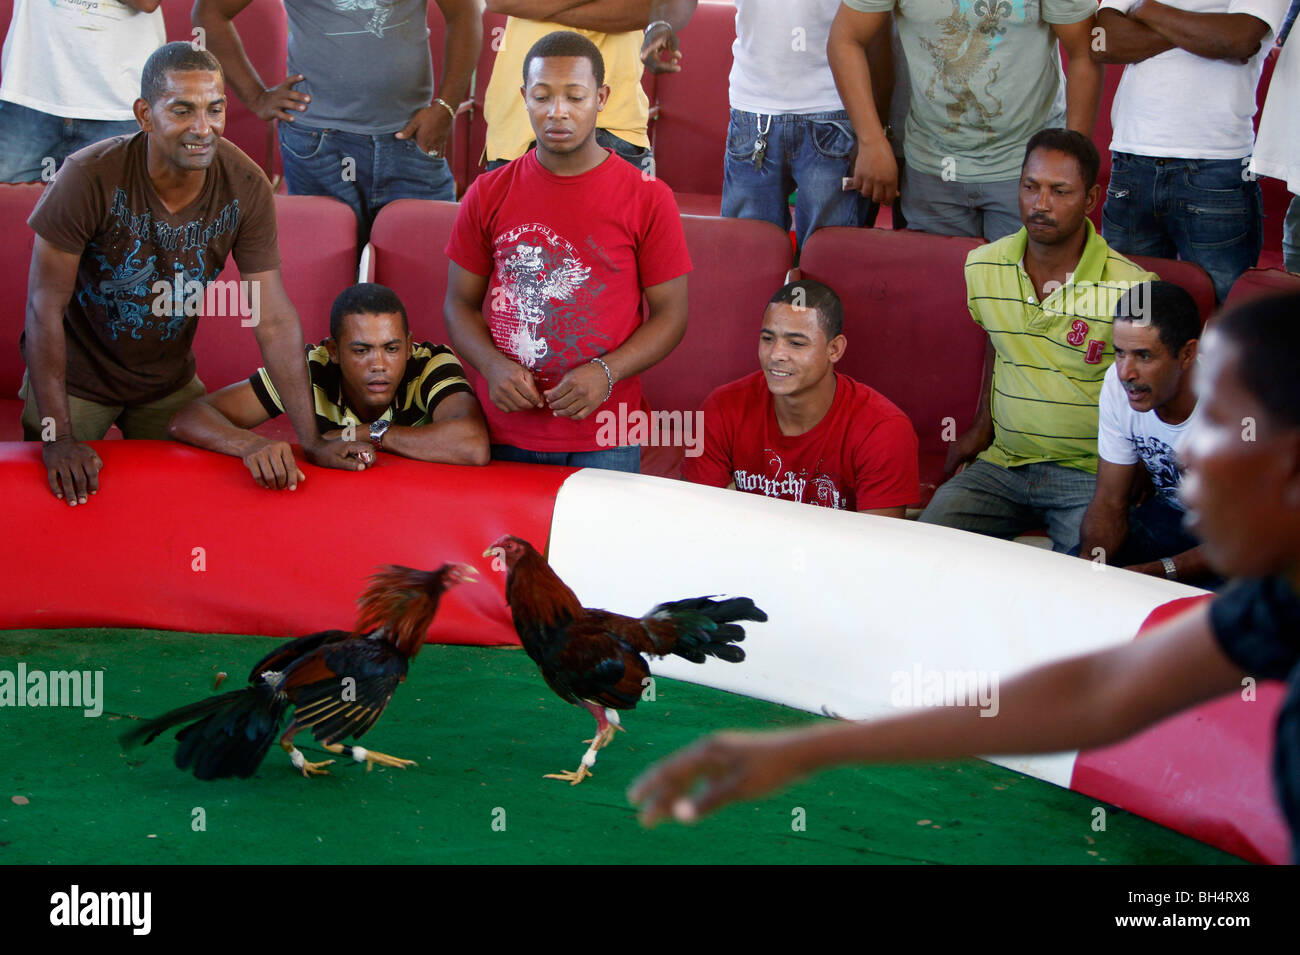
(910, 333)
(1189, 275)
(1257, 283)
(16, 204)
(318, 251)
(408, 240)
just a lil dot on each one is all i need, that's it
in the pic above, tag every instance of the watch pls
(1171, 569)
(377, 430)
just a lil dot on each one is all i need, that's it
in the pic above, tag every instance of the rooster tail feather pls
(227, 735)
(403, 602)
(706, 627)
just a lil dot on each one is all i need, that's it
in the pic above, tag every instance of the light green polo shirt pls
(986, 75)
(1051, 356)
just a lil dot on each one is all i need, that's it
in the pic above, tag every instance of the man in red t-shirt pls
(799, 430)
(550, 257)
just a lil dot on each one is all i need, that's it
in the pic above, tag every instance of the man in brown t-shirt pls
(126, 234)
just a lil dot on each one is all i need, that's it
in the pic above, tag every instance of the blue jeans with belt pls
(805, 151)
(33, 144)
(1207, 211)
(366, 171)
(624, 458)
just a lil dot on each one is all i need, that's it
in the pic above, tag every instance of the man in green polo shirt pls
(1047, 297)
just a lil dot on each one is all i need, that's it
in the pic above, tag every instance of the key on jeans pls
(760, 153)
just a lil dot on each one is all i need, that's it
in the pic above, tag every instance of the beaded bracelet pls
(608, 377)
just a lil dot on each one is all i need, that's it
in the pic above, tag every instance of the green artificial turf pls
(484, 729)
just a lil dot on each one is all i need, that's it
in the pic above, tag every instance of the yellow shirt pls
(625, 115)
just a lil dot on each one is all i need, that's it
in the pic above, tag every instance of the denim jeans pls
(1201, 210)
(1006, 502)
(805, 151)
(948, 207)
(29, 137)
(626, 458)
(382, 168)
(638, 156)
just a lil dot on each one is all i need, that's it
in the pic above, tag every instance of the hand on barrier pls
(273, 466)
(72, 468)
(344, 455)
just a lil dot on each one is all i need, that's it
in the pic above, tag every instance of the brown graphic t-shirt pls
(127, 328)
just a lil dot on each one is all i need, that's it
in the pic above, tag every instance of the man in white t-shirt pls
(1179, 182)
(71, 72)
(788, 127)
(1146, 410)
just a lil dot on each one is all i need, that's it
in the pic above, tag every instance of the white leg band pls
(612, 716)
(297, 758)
(589, 758)
(359, 754)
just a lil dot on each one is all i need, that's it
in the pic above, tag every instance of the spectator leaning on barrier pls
(1179, 183)
(559, 247)
(616, 28)
(1046, 296)
(788, 129)
(71, 72)
(797, 429)
(359, 116)
(1147, 409)
(1277, 148)
(129, 234)
(984, 78)
(414, 399)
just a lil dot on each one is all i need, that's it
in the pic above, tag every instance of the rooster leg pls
(607, 723)
(368, 756)
(296, 757)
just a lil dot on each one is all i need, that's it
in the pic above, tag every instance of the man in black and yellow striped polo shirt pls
(1047, 297)
(368, 380)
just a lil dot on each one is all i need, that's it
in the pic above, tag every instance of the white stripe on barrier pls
(863, 611)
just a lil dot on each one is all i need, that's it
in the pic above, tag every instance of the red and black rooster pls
(338, 682)
(592, 658)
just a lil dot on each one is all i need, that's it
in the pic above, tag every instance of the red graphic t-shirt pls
(567, 258)
(860, 457)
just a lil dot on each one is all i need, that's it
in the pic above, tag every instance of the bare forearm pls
(852, 72)
(1189, 566)
(222, 40)
(470, 336)
(456, 441)
(460, 55)
(1125, 40)
(650, 344)
(203, 426)
(607, 16)
(1083, 81)
(1103, 531)
(47, 364)
(280, 339)
(1216, 36)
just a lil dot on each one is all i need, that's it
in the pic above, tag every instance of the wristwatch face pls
(377, 429)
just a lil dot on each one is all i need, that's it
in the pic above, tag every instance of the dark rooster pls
(338, 682)
(592, 658)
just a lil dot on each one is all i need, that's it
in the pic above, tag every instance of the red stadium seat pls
(16, 203)
(407, 242)
(1189, 275)
(725, 307)
(318, 248)
(1256, 283)
(265, 34)
(909, 330)
(690, 133)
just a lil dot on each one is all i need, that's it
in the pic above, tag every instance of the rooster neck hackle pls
(535, 592)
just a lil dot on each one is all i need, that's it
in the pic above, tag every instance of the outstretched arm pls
(1079, 703)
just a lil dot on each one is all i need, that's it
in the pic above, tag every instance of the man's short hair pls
(566, 43)
(177, 57)
(1267, 336)
(1072, 143)
(809, 293)
(1170, 308)
(365, 298)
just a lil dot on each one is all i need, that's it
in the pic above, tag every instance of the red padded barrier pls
(1255, 283)
(910, 333)
(280, 563)
(264, 31)
(1201, 772)
(1194, 279)
(318, 251)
